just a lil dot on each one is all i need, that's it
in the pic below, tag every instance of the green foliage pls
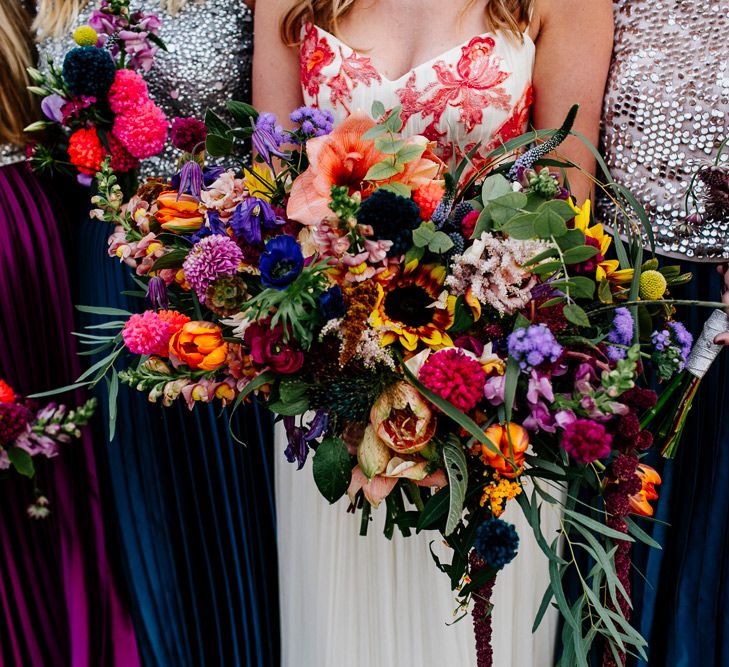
(332, 468)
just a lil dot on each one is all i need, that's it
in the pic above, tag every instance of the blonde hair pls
(507, 15)
(16, 54)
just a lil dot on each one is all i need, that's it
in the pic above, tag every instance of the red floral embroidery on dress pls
(355, 69)
(314, 55)
(472, 86)
(517, 121)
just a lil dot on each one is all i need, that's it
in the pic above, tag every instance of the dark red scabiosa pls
(14, 420)
(586, 441)
(188, 134)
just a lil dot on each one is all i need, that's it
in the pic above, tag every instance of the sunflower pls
(408, 308)
(607, 269)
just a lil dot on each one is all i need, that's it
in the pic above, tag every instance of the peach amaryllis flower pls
(343, 158)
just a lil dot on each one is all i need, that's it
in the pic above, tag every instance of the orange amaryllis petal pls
(513, 439)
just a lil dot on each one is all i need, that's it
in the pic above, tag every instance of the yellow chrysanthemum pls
(85, 35)
(606, 268)
(407, 309)
(259, 182)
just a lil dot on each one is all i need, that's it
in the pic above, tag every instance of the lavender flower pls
(534, 346)
(209, 259)
(621, 333)
(300, 437)
(268, 137)
(661, 340)
(251, 216)
(312, 123)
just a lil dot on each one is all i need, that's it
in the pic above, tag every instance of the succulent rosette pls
(445, 342)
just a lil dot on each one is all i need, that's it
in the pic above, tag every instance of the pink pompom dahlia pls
(150, 332)
(128, 92)
(455, 376)
(143, 132)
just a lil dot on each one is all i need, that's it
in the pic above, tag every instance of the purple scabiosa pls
(251, 217)
(281, 262)
(311, 123)
(210, 258)
(621, 333)
(188, 134)
(586, 440)
(268, 137)
(534, 346)
(496, 543)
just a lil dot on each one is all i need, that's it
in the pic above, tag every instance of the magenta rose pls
(268, 348)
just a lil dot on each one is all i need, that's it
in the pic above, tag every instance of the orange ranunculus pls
(199, 345)
(514, 440)
(640, 502)
(178, 213)
(402, 419)
(344, 158)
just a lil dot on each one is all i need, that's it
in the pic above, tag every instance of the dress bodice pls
(666, 111)
(478, 92)
(210, 49)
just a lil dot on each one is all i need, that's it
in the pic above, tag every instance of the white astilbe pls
(492, 269)
(371, 351)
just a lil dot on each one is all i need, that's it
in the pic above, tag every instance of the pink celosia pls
(128, 92)
(212, 257)
(143, 132)
(586, 441)
(455, 376)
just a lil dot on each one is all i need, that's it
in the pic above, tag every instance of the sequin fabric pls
(10, 154)
(666, 112)
(210, 51)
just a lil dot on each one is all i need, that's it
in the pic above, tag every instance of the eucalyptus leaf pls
(579, 254)
(573, 238)
(520, 227)
(440, 243)
(596, 526)
(494, 187)
(383, 170)
(398, 189)
(377, 110)
(409, 152)
(548, 224)
(423, 234)
(375, 132)
(389, 144)
(393, 122)
(505, 207)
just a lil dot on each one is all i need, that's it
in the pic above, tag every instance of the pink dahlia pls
(128, 92)
(143, 131)
(586, 441)
(454, 376)
(210, 258)
(188, 134)
(147, 333)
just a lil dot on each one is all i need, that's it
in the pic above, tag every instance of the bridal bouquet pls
(443, 343)
(97, 104)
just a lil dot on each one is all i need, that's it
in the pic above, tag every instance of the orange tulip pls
(512, 440)
(199, 345)
(178, 213)
(640, 502)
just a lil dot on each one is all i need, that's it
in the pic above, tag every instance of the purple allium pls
(251, 216)
(621, 333)
(209, 259)
(534, 346)
(268, 137)
(188, 134)
(586, 441)
(312, 122)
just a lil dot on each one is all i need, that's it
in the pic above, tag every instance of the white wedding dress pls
(359, 602)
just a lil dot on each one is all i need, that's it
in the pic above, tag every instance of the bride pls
(464, 72)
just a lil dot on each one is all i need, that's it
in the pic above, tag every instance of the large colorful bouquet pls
(97, 104)
(27, 431)
(443, 342)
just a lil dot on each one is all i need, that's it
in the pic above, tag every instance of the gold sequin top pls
(666, 112)
(208, 62)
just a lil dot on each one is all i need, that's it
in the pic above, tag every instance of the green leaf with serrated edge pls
(375, 132)
(548, 224)
(520, 227)
(242, 113)
(383, 170)
(215, 124)
(604, 293)
(22, 461)
(511, 379)
(218, 146)
(389, 144)
(546, 268)
(576, 315)
(170, 260)
(423, 234)
(597, 527)
(440, 243)
(546, 254)
(572, 239)
(505, 207)
(377, 110)
(579, 254)
(398, 189)
(393, 122)
(332, 468)
(494, 187)
(456, 467)
(635, 530)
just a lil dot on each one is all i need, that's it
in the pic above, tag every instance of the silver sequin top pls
(666, 112)
(208, 62)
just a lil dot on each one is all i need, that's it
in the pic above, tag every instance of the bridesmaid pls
(194, 513)
(59, 602)
(666, 111)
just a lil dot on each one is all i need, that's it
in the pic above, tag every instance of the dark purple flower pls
(331, 303)
(188, 134)
(213, 225)
(300, 437)
(191, 180)
(157, 293)
(85, 179)
(252, 216)
(52, 107)
(470, 343)
(586, 441)
(268, 137)
(281, 262)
